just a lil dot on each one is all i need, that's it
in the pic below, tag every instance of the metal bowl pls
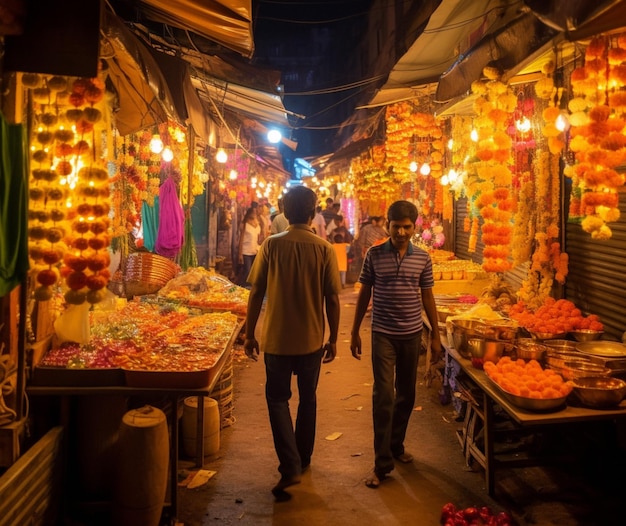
(561, 345)
(528, 349)
(483, 350)
(586, 335)
(462, 331)
(547, 335)
(555, 359)
(532, 404)
(499, 329)
(599, 392)
(571, 370)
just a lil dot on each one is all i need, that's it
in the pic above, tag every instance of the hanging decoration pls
(489, 177)
(69, 188)
(598, 112)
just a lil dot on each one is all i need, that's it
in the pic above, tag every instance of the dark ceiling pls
(311, 43)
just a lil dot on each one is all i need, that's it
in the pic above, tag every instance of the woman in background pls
(249, 242)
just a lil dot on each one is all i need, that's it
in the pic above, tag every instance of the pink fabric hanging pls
(171, 231)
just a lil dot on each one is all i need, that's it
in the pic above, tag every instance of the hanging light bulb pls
(232, 174)
(274, 136)
(156, 144)
(452, 175)
(167, 155)
(562, 122)
(413, 166)
(474, 135)
(221, 156)
(444, 180)
(522, 125)
(450, 144)
(425, 169)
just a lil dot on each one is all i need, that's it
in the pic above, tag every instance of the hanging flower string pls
(597, 130)
(489, 181)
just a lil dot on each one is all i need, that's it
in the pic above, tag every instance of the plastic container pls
(211, 431)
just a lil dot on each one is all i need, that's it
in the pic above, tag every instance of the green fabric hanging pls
(188, 254)
(13, 205)
(150, 222)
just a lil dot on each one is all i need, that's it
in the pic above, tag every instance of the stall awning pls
(227, 22)
(452, 29)
(144, 98)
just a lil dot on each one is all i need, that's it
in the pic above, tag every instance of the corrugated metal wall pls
(31, 489)
(597, 273)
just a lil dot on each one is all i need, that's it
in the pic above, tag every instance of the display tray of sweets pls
(198, 287)
(73, 364)
(128, 345)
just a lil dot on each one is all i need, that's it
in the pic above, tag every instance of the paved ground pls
(587, 492)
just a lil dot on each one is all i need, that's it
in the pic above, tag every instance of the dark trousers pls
(394, 363)
(294, 447)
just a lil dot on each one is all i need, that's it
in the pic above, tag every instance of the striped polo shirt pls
(397, 284)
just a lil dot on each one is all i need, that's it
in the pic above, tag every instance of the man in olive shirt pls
(298, 272)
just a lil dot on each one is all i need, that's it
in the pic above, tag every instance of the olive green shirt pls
(298, 269)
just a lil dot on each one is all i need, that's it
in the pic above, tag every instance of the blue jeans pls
(294, 447)
(394, 362)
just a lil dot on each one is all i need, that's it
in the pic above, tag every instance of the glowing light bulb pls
(452, 175)
(221, 156)
(156, 144)
(233, 175)
(167, 155)
(562, 122)
(274, 136)
(444, 180)
(450, 144)
(474, 135)
(522, 125)
(425, 169)
(413, 166)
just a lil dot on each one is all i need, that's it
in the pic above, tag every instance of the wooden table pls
(526, 419)
(173, 394)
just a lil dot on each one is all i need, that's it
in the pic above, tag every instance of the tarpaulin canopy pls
(144, 98)
(227, 22)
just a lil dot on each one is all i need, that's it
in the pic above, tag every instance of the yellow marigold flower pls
(550, 130)
(555, 145)
(492, 73)
(544, 88)
(548, 67)
(551, 113)
(507, 101)
(596, 97)
(479, 87)
(496, 87)
(591, 224)
(577, 104)
(578, 119)
(602, 234)
(609, 215)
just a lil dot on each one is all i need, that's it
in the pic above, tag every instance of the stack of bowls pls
(462, 331)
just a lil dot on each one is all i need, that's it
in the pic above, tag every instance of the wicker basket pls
(146, 273)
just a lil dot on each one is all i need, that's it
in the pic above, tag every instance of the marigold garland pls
(598, 140)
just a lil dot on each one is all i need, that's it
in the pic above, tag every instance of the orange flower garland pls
(598, 120)
(69, 193)
(489, 180)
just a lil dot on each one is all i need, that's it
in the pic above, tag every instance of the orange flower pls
(599, 113)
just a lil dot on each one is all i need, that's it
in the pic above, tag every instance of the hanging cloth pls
(13, 205)
(171, 233)
(189, 255)
(150, 223)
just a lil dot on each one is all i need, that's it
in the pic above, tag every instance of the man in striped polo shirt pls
(399, 276)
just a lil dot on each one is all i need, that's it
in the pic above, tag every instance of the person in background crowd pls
(338, 226)
(318, 224)
(263, 213)
(298, 272)
(249, 241)
(280, 222)
(400, 275)
(341, 250)
(371, 233)
(331, 210)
